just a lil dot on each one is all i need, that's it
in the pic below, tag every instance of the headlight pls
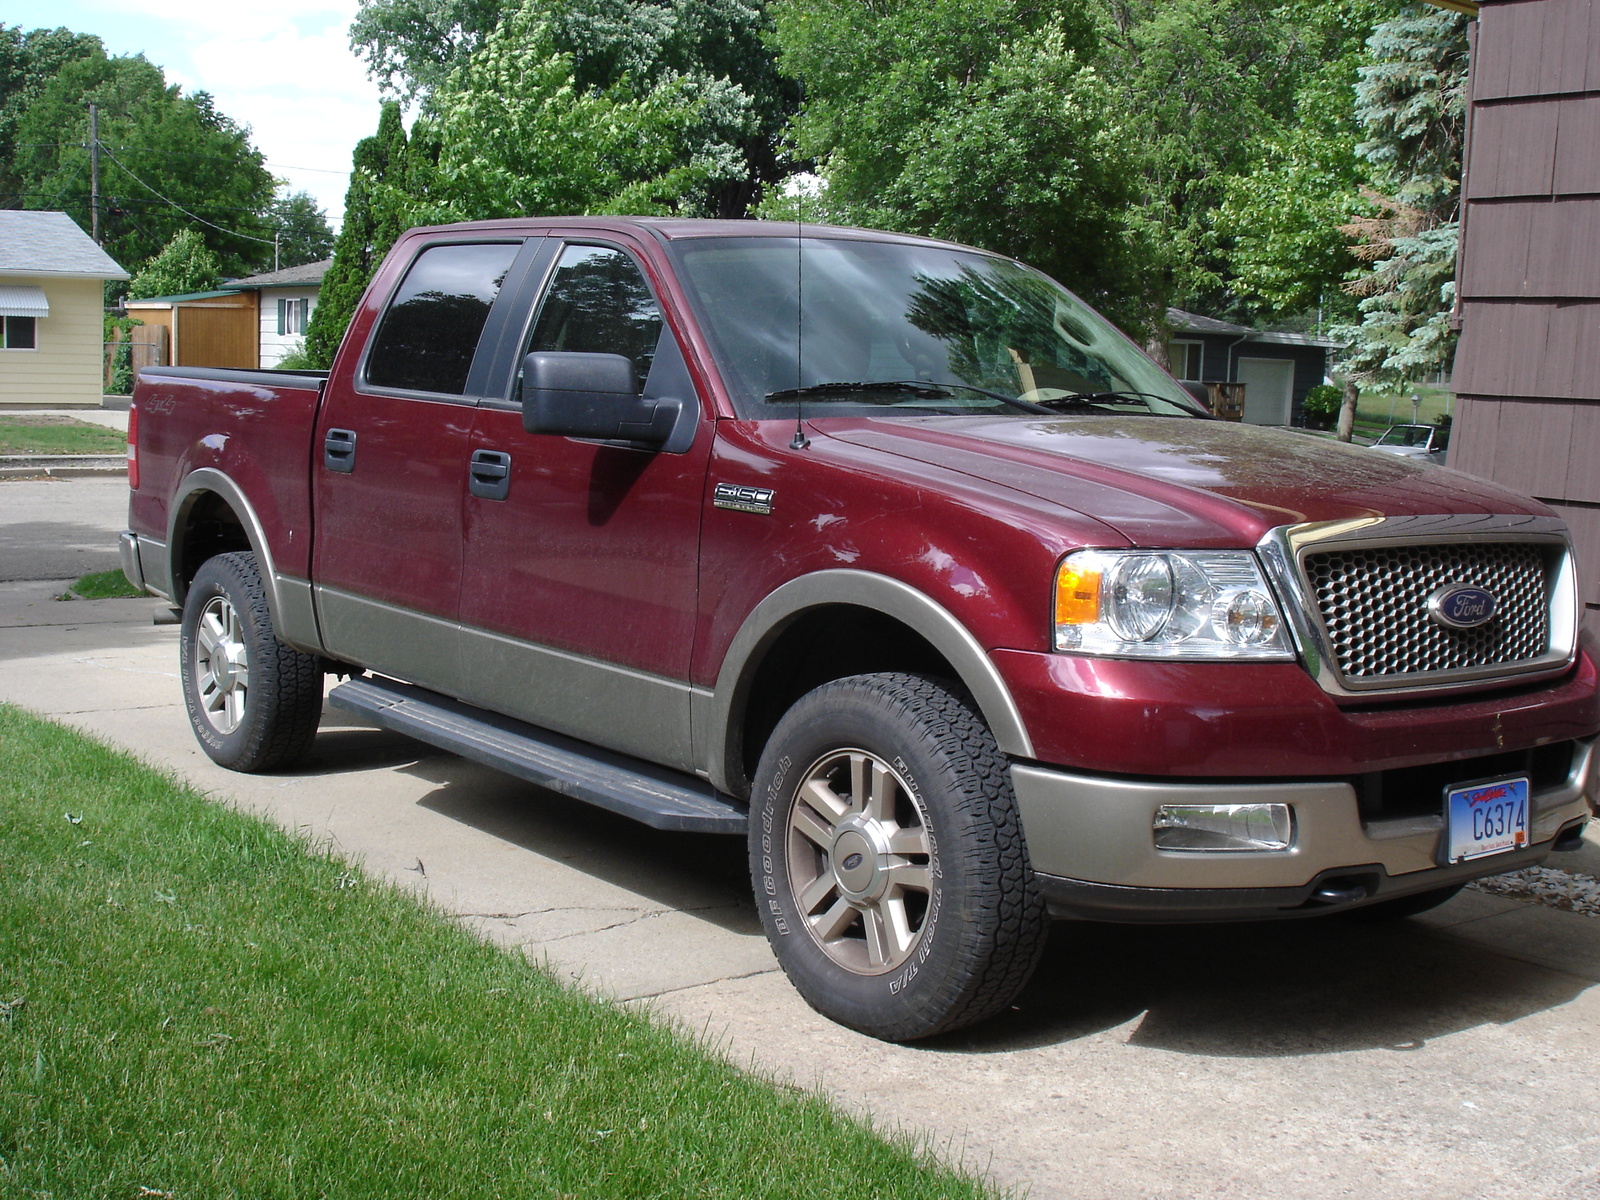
(1168, 604)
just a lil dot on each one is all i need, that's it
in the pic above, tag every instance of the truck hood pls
(1163, 481)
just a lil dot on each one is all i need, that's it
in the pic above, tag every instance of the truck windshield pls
(847, 325)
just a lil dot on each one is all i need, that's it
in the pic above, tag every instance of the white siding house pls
(286, 301)
(52, 306)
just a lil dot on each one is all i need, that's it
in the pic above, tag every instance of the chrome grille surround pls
(1350, 594)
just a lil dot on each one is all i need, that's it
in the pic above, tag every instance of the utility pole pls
(94, 173)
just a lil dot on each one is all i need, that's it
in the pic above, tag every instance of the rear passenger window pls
(599, 302)
(426, 340)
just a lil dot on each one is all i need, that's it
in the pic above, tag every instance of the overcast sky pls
(283, 68)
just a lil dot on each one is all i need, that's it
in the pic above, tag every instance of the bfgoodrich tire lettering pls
(252, 701)
(888, 859)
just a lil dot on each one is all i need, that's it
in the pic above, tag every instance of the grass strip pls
(195, 1003)
(105, 585)
(50, 434)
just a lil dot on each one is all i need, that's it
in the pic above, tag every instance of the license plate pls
(1485, 818)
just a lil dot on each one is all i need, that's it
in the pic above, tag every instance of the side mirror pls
(586, 395)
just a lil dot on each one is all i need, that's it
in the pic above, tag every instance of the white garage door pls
(1268, 391)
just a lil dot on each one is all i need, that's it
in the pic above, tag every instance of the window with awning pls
(21, 300)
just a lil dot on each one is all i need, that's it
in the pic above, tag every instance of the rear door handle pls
(489, 476)
(339, 450)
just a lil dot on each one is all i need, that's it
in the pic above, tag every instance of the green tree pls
(412, 46)
(1279, 221)
(184, 265)
(1411, 102)
(169, 161)
(28, 61)
(303, 232)
(518, 132)
(372, 222)
(922, 120)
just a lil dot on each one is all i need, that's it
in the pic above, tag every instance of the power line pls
(185, 211)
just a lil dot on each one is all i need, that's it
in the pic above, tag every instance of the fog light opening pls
(1224, 828)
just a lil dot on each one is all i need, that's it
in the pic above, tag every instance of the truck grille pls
(1374, 603)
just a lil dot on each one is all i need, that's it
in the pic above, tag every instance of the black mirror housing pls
(589, 395)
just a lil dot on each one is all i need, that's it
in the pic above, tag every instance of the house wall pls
(1527, 371)
(1222, 354)
(65, 367)
(273, 344)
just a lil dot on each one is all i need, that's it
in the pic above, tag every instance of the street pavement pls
(1451, 1056)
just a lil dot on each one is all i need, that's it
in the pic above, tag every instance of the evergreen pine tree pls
(372, 222)
(1411, 101)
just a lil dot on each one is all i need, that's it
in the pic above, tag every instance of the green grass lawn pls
(51, 434)
(1377, 411)
(195, 1003)
(103, 585)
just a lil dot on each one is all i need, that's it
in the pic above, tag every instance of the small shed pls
(1277, 369)
(285, 301)
(203, 329)
(52, 310)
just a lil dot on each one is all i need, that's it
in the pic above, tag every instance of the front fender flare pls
(861, 589)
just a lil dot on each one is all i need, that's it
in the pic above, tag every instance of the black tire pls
(253, 702)
(1402, 907)
(888, 859)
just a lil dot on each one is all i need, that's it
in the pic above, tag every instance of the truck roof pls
(676, 228)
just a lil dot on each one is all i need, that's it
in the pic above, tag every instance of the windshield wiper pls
(923, 391)
(1095, 401)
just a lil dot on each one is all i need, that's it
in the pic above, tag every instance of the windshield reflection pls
(823, 321)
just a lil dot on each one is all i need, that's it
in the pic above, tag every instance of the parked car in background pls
(1427, 442)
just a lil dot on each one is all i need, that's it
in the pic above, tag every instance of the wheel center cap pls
(226, 664)
(856, 858)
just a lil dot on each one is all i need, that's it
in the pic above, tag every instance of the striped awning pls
(22, 300)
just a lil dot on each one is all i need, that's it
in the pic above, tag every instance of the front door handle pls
(489, 476)
(339, 450)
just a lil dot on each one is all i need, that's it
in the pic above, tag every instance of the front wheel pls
(888, 858)
(253, 702)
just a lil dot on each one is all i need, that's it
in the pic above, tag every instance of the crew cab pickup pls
(890, 555)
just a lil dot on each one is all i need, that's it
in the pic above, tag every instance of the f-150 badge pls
(740, 498)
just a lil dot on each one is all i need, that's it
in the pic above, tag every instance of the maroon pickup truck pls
(891, 554)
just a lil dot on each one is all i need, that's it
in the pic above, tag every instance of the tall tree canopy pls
(184, 265)
(302, 230)
(165, 155)
(373, 219)
(655, 105)
(924, 120)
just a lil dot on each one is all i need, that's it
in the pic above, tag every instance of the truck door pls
(579, 582)
(391, 462)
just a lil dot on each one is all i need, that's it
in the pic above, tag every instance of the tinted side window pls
(426, 340)
(598, 301)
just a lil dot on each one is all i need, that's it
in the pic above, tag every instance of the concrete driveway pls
(1455, 1055)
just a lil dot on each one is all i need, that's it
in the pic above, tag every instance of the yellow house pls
(51, 309)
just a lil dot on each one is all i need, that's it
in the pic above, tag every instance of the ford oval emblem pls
(1462, 606)
(852, 862)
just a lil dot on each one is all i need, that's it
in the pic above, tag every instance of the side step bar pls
(659, 797)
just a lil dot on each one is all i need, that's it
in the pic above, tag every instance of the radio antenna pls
(799, 441)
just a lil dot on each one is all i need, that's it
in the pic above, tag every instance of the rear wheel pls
(253, 702)
(888, 858)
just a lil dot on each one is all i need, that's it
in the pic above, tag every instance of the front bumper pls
(1091, 843)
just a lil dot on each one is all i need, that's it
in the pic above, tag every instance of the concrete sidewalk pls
(1452, 1056)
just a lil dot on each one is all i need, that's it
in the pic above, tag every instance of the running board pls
(659, 797)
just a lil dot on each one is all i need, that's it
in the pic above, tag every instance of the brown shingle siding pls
(1538, 249)
(1577, 166)
(1536, 48)
(1513, 149)
(1549, 350)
